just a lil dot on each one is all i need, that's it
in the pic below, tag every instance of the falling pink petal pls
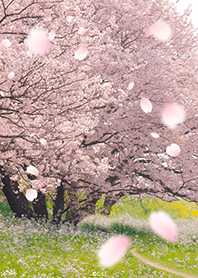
(173, 150)
(131, 85)
(38, 42)
(81, 53)
(43, 142)
(6, 43)
(29, 54)
(113, 250)
(31, 194)
(52, 35)
(163, 225)
(32, 170)
(146, 105)
(32, 134)
(69, 18)
(81, 31)
(172, 115)
(11, 75)
(160, 30)
(154, 135)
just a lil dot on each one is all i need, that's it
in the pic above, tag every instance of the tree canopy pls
(75, 77)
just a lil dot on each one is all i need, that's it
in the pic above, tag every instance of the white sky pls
(183, 4)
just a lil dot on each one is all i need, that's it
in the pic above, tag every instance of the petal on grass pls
(146, 105)
(163, 225)
(173, 150)
(38, 42)
(31, 194)
(81, 53)
(172, 115)
(32, 170)
(112, 251)
(160, 30)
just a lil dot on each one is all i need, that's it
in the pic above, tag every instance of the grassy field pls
(29, 249)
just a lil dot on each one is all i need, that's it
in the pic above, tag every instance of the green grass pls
(32, 250)
(4, 208)
(29, 249)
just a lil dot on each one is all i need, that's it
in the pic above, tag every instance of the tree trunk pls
(39, 206)
(108, 203)
(16, 199)
(58, 207)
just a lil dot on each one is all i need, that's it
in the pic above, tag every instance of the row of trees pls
(99, 142)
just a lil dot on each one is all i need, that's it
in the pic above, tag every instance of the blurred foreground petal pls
(160, 30)
(172, 115)
(38, 42)
(163, 225)
(113, 250)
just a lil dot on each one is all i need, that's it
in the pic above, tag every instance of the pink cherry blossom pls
(29, 54)
(38, 42)
(155, 135)
(173, 150)
(81, 53)
(146, 105)
(52, 35)
(11, 75)
(69, 18)
(6, 43)
(131, 85)
(160, 30)
(32, 170)
(81, 31)
(43, 141)
(113, 250)
(31, 194)
(163, 225)
(172, 115)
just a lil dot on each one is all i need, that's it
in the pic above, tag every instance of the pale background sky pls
(183, 4)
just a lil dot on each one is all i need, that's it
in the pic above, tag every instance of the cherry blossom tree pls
(84, 91)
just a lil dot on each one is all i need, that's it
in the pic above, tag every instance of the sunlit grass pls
(141, 208)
